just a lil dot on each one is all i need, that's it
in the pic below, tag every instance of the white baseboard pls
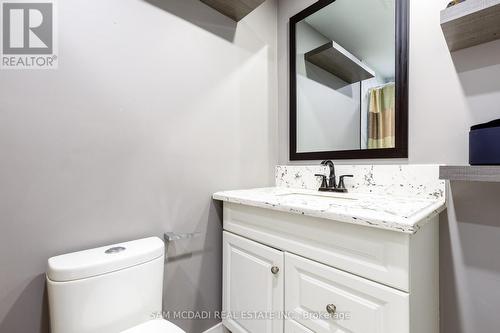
(217, 329)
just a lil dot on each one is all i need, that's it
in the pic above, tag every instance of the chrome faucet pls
(330, 185)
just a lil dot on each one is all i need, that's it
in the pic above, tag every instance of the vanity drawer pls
(375, 254)
(360, 305)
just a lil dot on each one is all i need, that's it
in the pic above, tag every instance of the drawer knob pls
(275, 270)
(331, 309)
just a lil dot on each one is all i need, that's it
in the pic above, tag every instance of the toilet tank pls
(107, 289)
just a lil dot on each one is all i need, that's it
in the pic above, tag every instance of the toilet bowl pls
(112, 289)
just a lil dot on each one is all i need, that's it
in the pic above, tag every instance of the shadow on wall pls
(180, 289)
(478, 68)
(327, 79)
(198, 13)
(450, 320)
(23, 315)
(477, 212)
(470, 242)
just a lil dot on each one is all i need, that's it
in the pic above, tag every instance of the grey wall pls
(448, 93)
(155, 106)
(323, 98)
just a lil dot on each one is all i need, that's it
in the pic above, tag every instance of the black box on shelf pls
(484, 144)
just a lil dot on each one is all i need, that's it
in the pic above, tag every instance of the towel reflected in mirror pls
(382, 117)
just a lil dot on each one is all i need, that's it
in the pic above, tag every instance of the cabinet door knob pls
(275, 270)
(331, 309)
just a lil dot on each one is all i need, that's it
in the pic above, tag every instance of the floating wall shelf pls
(234, 9)
(471, 23)
(335, 59)
(470, 173)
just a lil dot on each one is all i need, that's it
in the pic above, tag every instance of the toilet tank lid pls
(105, 259)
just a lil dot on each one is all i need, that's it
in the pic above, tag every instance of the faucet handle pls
(341, 181)
(324, 183)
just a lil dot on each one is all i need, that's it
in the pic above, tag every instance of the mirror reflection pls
(345, 65)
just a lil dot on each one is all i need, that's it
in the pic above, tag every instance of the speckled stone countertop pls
(403, 214)
(404, 211)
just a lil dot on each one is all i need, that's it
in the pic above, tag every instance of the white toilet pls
(111, 289)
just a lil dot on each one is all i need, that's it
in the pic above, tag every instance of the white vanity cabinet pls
(253, 282)
(291, 273)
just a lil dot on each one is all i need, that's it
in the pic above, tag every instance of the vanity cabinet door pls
(292, 326)
(252, 286)
(327, 300)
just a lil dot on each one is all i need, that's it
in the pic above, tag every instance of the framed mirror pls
(349, 80)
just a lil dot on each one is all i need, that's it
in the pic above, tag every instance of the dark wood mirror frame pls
(402, 49)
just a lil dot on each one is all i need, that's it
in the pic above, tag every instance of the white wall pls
(155, 105)
(448, 94)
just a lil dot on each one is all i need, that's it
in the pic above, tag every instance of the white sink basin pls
(315, 199)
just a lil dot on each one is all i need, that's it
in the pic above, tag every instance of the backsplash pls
(400, 180)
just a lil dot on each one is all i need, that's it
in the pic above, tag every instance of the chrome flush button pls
(115, 250)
